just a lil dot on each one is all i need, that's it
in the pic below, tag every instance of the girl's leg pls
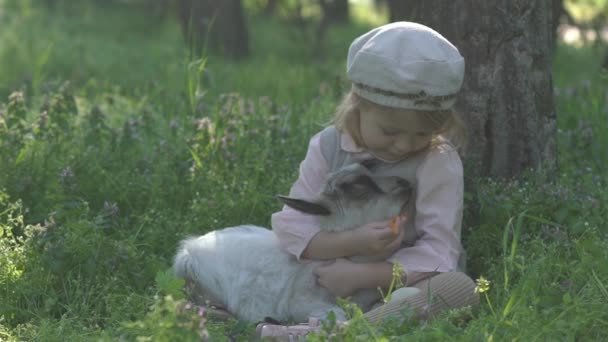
(450, 290)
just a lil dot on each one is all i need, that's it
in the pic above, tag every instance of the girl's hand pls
(378, 238)
(338, 276)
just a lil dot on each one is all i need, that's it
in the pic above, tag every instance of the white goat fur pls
(245, 270)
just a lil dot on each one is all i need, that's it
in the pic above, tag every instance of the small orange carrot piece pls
(393, 225)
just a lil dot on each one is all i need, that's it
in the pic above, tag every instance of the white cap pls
(405, 65)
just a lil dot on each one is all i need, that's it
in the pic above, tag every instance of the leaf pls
(169, 284)
(600, 285)
(21, 156)
(513, 299)
(517, 233)
(542, 220)
(197, 160)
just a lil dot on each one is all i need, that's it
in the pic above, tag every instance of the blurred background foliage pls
(65, 39)
(118, 138)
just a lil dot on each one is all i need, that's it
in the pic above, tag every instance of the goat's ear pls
(304, 206)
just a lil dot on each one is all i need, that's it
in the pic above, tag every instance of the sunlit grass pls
(363, 11)
(586, 10)
(99, 180)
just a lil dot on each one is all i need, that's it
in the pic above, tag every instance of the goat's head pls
(354, 196)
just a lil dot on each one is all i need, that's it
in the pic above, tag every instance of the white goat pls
(245, 270)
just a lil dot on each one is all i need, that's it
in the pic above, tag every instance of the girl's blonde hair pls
(447, 123)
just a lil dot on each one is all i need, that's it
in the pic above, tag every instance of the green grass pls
(100, 178)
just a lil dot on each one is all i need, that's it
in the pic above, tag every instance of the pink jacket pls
(435, 227)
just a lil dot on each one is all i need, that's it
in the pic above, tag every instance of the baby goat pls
(245, 270)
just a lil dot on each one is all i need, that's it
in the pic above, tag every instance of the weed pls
(101, 176)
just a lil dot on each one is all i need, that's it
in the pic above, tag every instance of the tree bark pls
(401, 10)
(332, 12)
(221, 21)
(337, 11)
(507, 96)
(270, 8)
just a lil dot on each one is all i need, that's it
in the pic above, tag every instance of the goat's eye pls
(354, 192)
(346, 187)
(359, 188)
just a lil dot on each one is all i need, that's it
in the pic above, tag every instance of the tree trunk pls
(507, 96)
(402, 10)
(221, 21)
(270, 8)
(337, 11)
(558, 11)
(233, 29)
(332, 11)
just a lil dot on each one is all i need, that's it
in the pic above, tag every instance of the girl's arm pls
(293, 229)
(375, 238)
(299, 233)
(343, 277)
(439, 204)
(329, 246)
(438, 219)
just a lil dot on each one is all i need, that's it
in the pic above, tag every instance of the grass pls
(102, 176)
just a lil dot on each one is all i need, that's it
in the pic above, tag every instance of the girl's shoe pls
(288, 333)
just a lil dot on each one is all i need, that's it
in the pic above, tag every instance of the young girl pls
(405, 78)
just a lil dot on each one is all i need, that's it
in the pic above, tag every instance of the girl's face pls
(393, 134)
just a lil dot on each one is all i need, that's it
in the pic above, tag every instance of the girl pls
(405, 78)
